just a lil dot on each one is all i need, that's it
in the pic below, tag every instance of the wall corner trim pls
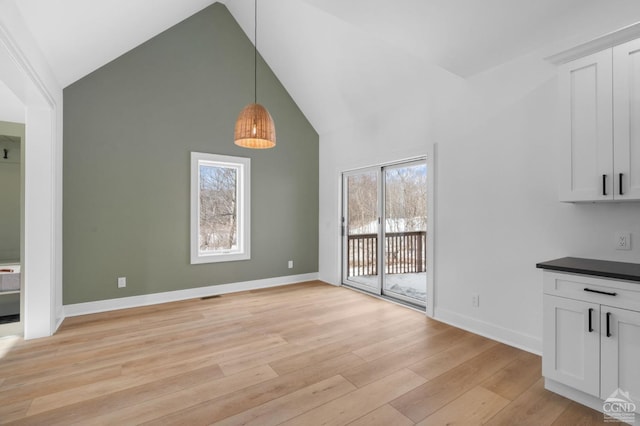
(86, 308)
(507, 336)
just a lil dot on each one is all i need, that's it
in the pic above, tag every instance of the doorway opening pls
(384, 231)
(11, 214)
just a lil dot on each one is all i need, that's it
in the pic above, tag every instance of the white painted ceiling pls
(339, 59)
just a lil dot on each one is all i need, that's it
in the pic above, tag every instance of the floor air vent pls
(210, 297)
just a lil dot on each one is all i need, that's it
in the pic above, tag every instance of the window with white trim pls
(220, 210)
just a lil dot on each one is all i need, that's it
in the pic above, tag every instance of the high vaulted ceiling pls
(338, 59)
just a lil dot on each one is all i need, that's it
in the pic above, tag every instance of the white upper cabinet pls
(586, 94)
(600, 96)
(626, 120)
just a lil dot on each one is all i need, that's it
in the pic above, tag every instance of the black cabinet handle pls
(604, 185)
(600, 292)
(590, 323)
(620, 184)
(608, 324)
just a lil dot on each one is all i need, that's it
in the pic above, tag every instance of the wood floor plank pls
(100, 354)
(352, 314)
(395, 343)
(11, 394)
(358, 403)
(436, 393)
(140, 374)
(293, 404)
(535, 407)
(368, 372)
(459, 352)
(516, 377)
(262, 357)
(14, 411)
(577, 414)
(383, 416)
(307, 353)
(169, 403)
(346, 343)
(120, 391)
(228, 405)
(318, 335)
(474, 407)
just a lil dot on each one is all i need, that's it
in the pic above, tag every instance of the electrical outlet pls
(122, 282)
(475, 300)
(290, 264)
(623, 240)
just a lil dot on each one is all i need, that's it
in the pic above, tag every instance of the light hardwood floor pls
(305, 354)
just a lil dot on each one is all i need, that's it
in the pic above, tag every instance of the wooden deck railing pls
(405, 253)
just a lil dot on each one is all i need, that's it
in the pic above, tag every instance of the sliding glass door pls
(405, 231)
(385, 230)
(361, 227)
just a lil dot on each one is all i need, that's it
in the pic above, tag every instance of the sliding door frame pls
(383, 228)
(430, 159)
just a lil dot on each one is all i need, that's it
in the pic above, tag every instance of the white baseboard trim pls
(174, 296)
(507, 336)
(59, 318)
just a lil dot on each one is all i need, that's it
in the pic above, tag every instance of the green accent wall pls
(129, 128)
(11, 138)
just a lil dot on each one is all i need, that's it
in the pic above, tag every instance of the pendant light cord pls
(255, 52)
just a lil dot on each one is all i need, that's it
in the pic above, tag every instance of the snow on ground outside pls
(410, 285)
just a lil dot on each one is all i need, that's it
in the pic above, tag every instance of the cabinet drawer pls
(627, 293)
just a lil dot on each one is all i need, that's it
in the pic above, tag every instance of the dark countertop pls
(599, 268)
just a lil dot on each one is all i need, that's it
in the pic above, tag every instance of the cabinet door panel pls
(620, 352)
(571, 353)
(626, 113)
(586, 93)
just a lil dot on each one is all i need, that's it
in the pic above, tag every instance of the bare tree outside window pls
(406, 199)
(363, 203)
(218, 208)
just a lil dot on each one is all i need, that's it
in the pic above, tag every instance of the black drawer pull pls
(600, 292)
(590, 324)
(604, 185)
(608, 324)
(620, 185)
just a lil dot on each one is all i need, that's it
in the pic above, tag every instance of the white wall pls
(396, 134)
(26, 73)
(497, 213)
(11, 109)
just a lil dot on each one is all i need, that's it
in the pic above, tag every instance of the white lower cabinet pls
(572, 349)
(591, 340)
(620, 352)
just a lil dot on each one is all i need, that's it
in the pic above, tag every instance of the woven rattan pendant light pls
(254, 126)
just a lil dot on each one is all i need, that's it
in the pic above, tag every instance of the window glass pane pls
(362, 228)
(218, 208)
